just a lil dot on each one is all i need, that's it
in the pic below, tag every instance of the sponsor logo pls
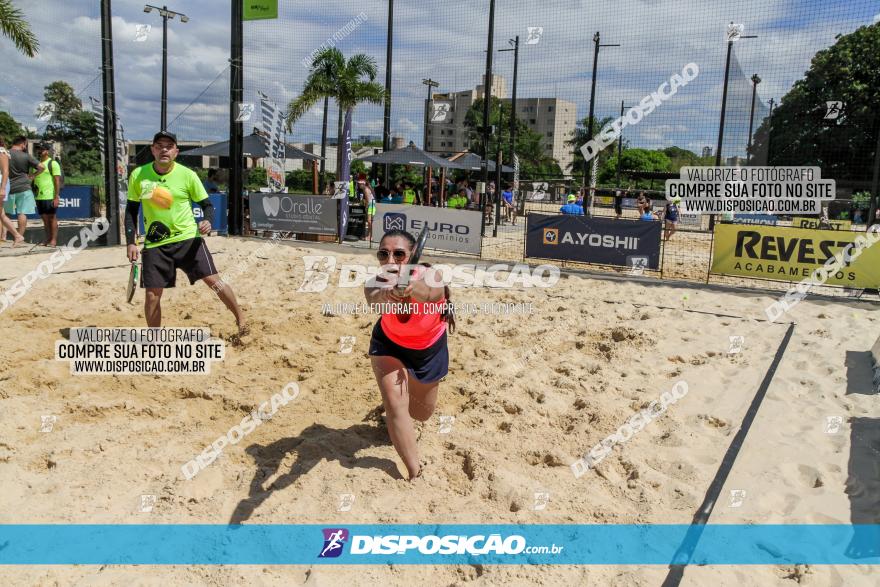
(551, 236)
(334, 541)
(394, 221)
(271, 205)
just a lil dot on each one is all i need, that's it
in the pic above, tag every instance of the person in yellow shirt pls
(48, 184)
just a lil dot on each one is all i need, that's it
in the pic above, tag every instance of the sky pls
(446, 41)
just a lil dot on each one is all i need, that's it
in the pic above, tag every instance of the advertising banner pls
(806, 222)
(791, 254)
(625, 243)
(292, 213)
(448, 229)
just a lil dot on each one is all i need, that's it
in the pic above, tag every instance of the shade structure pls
(254, 146)
(411, 155)
(471, 162)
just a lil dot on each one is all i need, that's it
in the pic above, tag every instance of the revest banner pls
(790, 254)
(594, 240)
(806, 222)
(290, 213)
(448, 230)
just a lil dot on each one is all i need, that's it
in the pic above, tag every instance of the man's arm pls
(131, 221)
(57, 179)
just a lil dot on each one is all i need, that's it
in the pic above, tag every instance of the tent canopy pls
(471, 162)
(411, 155)
(254, 146)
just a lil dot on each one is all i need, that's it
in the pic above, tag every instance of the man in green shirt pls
(48, 184)
(173, 240)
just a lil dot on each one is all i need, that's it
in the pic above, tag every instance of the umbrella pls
(411, 155)
(471, 162)
(253, 146)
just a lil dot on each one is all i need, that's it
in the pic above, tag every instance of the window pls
(532, 121)
(550, 134)
(549, 108)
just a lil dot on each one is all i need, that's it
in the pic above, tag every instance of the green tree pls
(848, 71)
(67, 106)
(579, 138)
(349, 83)
(634, 160)
(9, 127)
(15, 28)
(530, 147)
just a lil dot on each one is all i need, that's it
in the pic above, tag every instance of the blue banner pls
(75, 201)
(344, 172)
(767, 219)
(605, 241)
(441, 544)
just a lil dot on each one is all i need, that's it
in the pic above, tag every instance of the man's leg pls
(53, 240)
(22, 224)
(153, 307)
(227, 296)
(47, 227)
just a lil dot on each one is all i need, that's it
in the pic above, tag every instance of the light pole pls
(620, 145)
(597, 44)
(770, 129)
(487, 98)
(431, 85)
(386, 124)
(166, 16)
(514, 46)
(755, 81)
(732, 36)
(111, 184)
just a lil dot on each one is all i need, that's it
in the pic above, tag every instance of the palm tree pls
(15, 28)
(580, 137)
(331, 76)
(320, 84)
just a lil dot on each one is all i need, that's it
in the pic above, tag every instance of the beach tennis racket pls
(133, 276)
(403, 280)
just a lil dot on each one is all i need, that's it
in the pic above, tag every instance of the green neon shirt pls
(176, 223)
(45, 181)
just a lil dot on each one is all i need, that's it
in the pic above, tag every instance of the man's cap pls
(164, 134)
(572, 198)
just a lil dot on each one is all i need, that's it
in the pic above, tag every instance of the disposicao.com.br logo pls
(334, 541)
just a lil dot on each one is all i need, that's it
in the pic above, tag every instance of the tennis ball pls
(162, 197)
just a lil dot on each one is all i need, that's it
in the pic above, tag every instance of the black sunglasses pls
(399, 254)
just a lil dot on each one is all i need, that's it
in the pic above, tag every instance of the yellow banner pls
(793, 254)
(805, 222)
(604, 200)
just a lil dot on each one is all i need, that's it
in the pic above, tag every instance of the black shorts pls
(428, 365)
(160, 264)
(46, 207)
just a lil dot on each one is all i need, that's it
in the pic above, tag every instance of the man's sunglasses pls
(399, 254)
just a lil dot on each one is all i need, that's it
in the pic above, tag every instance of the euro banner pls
(793, 254)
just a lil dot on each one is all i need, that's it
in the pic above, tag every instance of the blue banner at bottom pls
(440, 544)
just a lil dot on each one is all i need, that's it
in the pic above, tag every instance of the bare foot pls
(18, 241)
(243, 329)
(418, 474)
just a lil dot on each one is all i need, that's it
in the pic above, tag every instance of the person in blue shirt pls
(507, 202)
(571, 207)
(671, 218)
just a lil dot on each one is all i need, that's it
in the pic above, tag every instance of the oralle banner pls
(594, 240)
(291, 213)
(448, 230)
(792, 254)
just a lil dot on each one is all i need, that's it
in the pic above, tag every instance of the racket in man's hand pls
(133, 276)
(403, 278)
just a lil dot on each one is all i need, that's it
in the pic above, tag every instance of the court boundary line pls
(701, 517)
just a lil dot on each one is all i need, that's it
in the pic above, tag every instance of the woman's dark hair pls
(448, 315)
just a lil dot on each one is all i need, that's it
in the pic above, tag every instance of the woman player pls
(408, 351)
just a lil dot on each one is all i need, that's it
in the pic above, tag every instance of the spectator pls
(670, 217)
(48, 184)
(507, 202)
(211, 183)
(369, 201)
(5, 222)
(571, 207)
(409, 194)
(22, 169)
(857, 217)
